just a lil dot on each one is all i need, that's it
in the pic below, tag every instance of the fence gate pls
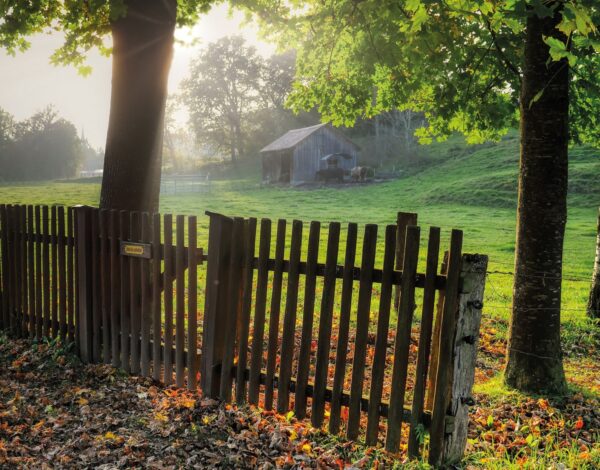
(338, 359)
(285, 326)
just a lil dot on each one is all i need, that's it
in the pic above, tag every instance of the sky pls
(28, 82)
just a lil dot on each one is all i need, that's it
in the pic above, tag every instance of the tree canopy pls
(236, 98)
(86, 25)
(460, 62)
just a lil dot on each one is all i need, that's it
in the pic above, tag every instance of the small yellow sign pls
(137, 250)
(133, 250)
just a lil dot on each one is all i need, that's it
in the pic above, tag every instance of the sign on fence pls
(136, 250)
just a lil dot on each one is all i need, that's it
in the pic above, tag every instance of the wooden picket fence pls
(125, 288)
(66, 273)
(262, 367)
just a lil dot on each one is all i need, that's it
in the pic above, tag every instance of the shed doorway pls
(286, 167)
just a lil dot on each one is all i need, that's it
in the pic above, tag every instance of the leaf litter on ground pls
(56, 412)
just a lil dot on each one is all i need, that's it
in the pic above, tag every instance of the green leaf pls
(583, 21)
(536, 98)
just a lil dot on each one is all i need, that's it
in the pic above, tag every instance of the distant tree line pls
(44, 146)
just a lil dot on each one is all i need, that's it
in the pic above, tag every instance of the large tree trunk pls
(534, 350)
(593, 309)
(142, 53)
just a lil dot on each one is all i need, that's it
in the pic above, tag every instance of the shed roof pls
(293, 137)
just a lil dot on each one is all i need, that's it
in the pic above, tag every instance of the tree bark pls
(534, 349)
(142, 53)
(593, 308)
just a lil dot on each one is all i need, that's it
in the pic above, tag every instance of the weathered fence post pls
(83, 241)
(217, 279)
(403, 220)
(464, 353)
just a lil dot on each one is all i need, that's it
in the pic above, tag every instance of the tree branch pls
(500, 52)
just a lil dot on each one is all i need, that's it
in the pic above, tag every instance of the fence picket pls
(115, 293)
(435, 339)
(145, 314)
(179, 301)
(362, 330)
(215, 311)
(24, 272)
(70, 276)
(231, 308)
(289, 320)
(381, 342)
(24, 311)
(39, 320)
(244, 323)
(54, 228)
(16, 325)
(433, 248)
(125, 296)
(96, 280)
(31, 270)
(46, 272)
(105, 285)
(258, 331)
(192, 362)
(5, 266)
(135, 298)
(343, 332)
(168, 298)
(274, 313)
(307, 320)
(156, 298)
(62, 274)
(403, 220)
(448, 326)
(402, 342)
(325, 323)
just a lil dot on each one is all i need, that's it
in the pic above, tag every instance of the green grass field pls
(472, 188)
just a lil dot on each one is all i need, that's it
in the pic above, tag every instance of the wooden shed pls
(296, 156)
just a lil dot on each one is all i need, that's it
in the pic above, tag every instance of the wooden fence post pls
(83, 240)
(464, 353)
(403, 220)
(217, 277)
